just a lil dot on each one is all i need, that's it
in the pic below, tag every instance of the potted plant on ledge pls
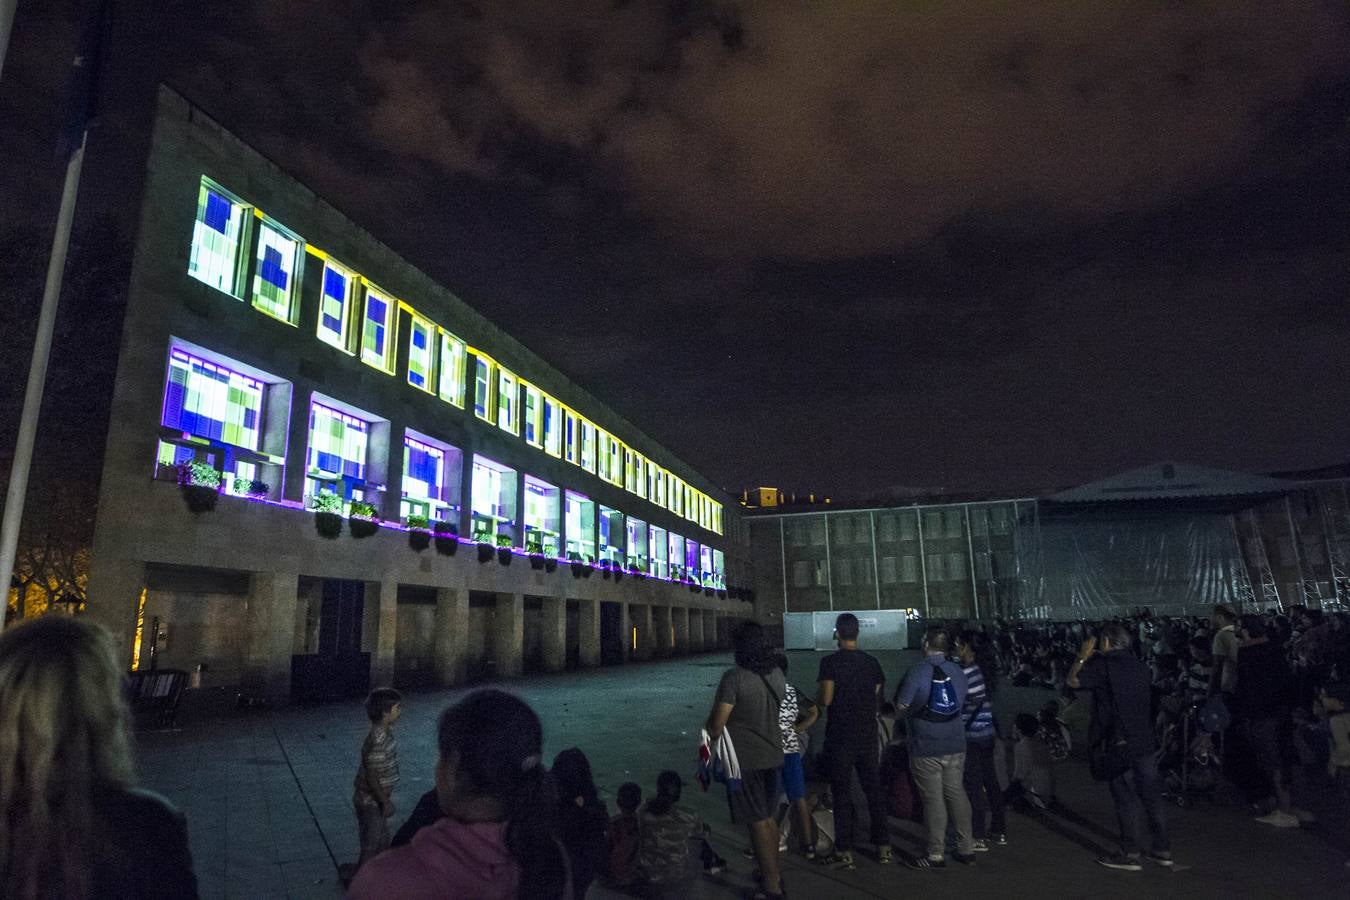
(534, 546)
(550, 556)
(363, 519)
(504, 549)
(249, 487)
(419, 533)
(447, 537)
(200, 483)
(327, 514)
(486, 543)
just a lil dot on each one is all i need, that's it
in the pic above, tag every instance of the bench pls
(155, 693)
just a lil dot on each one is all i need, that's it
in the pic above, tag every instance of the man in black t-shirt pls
(850, 682)
(1121, 688)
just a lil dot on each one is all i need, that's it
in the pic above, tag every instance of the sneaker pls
(885, 856)
(979, 847)
(841, 861)
(998, 840)
(809, 853)
(1120, 861)
(924, 862)
(1280, 820)
(1162, 858)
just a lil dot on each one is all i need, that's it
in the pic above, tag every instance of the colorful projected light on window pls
(423, 470)
(452, 369)
(337, 443)
(273, 285)
(215, 240)
(337, 287)
(210, 401)
(375, 330)
(420, 354)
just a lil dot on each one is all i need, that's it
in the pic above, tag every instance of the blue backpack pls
(942, 705)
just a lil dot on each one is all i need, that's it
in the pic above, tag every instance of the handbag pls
(1109, 757)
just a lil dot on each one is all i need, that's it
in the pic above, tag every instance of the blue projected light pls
(271, 269)
(217, 212)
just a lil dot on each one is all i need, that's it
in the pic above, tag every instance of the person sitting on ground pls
(582, 821)
(1032, 785)
(625, 832)
(74, 825)
(667, 829)
(496, 839)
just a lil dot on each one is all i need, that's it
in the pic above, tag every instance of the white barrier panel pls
(878, 629)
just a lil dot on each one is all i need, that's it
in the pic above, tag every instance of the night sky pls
(990, 247)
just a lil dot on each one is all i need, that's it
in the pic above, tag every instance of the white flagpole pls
(7, 8)
(37, 371)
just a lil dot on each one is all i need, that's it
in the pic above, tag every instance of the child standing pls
(624, 832)
(377, 773)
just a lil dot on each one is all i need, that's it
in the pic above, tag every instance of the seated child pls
(624, 834)
(667, 829)
(1033, 780)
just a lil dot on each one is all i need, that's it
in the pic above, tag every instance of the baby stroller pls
(1190, 761)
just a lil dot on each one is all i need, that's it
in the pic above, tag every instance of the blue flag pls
(81, 92)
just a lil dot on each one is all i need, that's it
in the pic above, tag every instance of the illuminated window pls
(452, 369)
(424, 478)
(421, 354)
(719, 569)
(337, 450)
(216, 237)
(571, 438)
(636, 543)
(274, 280)
(675, 551)
(602, 454)
(691, 560)
(210, 401)
(717, 518)
(587, 446)
(650, 478)
(532, 416)
(335, 301)
(580, 519)
(552, 427)
(482, 389)
(377, 343)
(493, 500)
(659, 547)
(632, 463)
(541, 517)
(611, 534)
(690, 508)
(705, 565)
(507, 398)
(615, 461)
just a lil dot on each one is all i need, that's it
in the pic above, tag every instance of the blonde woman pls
(72, 823)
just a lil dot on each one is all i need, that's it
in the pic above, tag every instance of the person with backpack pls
(932, 694)
(849, 685)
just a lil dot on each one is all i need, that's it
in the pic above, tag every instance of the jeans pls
(986, 796)
(844, 760)
(1138, 795)
(940, 782)
(373, 829)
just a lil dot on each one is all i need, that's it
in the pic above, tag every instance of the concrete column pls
(452, 630)
(114, 595)
(626, 630)
(680, 615)
(381, 629)
(508, 639)
(589, 632)
(642, 618)
(661, 622)
(554, 633)
(269, 640)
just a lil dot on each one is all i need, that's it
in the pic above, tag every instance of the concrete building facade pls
(284, 374)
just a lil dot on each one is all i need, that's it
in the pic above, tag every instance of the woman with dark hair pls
(496, 840)
(746, 708)
(72, 823)
(583, 821)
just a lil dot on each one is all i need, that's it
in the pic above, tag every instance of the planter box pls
(327, 524)
(419, 540)
(361, 527)
(447, 543)
(536, 560)
(486, 552)
(200, 498)
(504, 555)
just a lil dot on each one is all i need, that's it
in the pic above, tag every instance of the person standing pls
(1223, 674)
(1122, 721)
(988, 820)
(746, 707)
(932, 695)
(377, 774)
(796, 715)
(849, 687)
(1265, 695)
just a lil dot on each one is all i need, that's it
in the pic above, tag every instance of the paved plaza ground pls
(267, 795)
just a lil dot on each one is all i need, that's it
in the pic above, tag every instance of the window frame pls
(430, 329)
(532, 419)
(242, 240)
(452, 369)
(295, 275)
(385, 363)
(508, 401)
(343, 340)
(485, 375)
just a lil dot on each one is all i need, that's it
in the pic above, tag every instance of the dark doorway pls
(532, 636)
(415, 638)
(611, 634)
(573, 635)
(337, 669)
